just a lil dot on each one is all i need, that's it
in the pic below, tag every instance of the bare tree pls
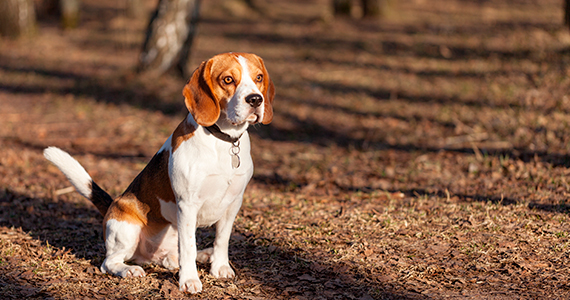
(342, 8)
(567, 13)
(370, 8)
(69, 13)
(169, 37)
(17, 18)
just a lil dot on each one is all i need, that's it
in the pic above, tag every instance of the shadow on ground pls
(285, 271)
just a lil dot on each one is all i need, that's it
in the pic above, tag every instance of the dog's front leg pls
(220, 267)
(187, 221)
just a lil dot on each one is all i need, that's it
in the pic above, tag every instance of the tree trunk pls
(567, 13)
(17, 18)
(69, 13)
(169, 37)
(372, 8)
(342, 8)
(47, 9)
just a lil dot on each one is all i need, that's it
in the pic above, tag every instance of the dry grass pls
(423, 156)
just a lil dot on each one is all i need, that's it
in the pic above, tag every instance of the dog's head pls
(236, 85)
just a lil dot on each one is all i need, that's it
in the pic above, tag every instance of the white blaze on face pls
(240, 111)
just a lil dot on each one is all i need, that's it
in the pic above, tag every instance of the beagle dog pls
(196, 179)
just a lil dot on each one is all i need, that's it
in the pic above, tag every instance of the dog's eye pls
(259, 78)
(228, 80)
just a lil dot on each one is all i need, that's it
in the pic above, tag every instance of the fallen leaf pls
(306, 277)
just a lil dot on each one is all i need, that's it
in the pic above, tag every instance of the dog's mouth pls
(253, 118)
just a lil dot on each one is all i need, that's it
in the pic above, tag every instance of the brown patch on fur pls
(128, 208)
(198, 96)
(225, 65)
(139, 204)
(183, 132)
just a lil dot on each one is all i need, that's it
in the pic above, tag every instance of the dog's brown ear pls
(199, 96)
(268, 95)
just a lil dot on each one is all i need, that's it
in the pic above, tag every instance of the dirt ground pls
(425, 156)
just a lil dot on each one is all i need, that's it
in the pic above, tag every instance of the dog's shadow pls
(258, 263)
(61, 223)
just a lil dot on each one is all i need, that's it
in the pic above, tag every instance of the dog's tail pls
(77, 175)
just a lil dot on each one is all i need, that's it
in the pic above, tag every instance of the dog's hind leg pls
(204, 255)
(121, 241)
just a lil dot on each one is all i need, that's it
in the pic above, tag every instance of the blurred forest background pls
(420, 148)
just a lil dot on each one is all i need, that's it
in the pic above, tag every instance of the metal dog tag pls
(234, 151)
(235, 161)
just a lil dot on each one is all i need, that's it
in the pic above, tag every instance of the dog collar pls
(217, 132)
(234, 150)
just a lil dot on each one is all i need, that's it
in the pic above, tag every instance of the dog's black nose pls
(254, 100)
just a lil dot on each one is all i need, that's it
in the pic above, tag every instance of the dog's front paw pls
(223, 271)
(132, 271)
(191, 286)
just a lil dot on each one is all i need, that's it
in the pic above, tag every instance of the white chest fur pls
(202, 176)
